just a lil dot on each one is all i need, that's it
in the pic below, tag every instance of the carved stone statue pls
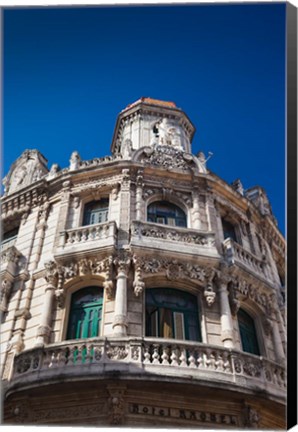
(75, 160)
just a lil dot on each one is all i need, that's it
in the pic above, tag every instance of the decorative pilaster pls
(108, 282)
(116, 404)
(209, 292)
(5, 293)
(44, 329)
(138, 283)
(124, 222)
(225, 312)
(63, 212)
(122, 261)
(139, 195)
(196, 208)
(278, 346)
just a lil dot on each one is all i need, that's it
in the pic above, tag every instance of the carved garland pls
(167, 157)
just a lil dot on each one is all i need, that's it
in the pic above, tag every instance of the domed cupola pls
(151, 122)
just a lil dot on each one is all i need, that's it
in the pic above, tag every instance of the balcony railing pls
(237, 254)
(149, 356)
(89, 236)
(169, 236)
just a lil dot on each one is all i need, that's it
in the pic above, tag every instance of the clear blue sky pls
(68, 72)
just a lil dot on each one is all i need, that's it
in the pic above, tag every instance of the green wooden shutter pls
(248, 334)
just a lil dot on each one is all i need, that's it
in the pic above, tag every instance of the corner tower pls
(149, 122)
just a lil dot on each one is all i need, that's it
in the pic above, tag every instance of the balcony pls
(89, 237)
(147, 358)
(236, 254)
(171, 238)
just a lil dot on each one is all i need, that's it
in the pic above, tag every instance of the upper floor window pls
(166, 213)
(9, 236)
(248, 333)
(228, 230)
(171, 313)
(85, 313)
(96, 212)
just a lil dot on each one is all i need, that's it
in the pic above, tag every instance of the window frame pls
(167, 215)
(89, 203)
(197, 314)
(255, 331)
(68, 311)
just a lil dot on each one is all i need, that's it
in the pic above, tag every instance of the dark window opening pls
(173, 314)
(10, 235)
(248, 333)
(166, 213)
(228, 230)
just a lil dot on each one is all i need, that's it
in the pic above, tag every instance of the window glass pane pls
(166, 324)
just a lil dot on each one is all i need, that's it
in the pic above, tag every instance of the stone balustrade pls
(89, 236)
(140, 231)
(237, 254)
(166, 357)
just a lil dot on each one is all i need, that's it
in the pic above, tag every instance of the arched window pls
(96, 212)
(166, 213)
(171, 313)
(248, 333)
(85, 313)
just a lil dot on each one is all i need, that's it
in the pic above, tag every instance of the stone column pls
(44, 328)
(120, 317)
(279, 352)
(225, 312)
(272, 313)
(196, 209)
(139, 193)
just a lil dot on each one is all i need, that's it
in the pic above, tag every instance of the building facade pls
(140, 289)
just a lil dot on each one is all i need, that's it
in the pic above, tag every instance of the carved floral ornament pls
(240, 290)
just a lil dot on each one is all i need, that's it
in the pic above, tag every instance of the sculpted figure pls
(75, 160)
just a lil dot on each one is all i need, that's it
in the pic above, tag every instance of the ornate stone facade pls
(141, 234)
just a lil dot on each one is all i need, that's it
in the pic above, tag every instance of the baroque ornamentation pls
(252, 417)
(117, 352)
(138, 283)
(167, 157)
(166, 233)
(172, 268)
(116, 405)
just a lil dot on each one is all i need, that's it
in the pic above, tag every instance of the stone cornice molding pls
(23, 202)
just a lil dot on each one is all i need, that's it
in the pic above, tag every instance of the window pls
(96, 212)
(166, 213)
(85, 313)
(9, 236)
(228, 230)
(171, 313)
(248, 334)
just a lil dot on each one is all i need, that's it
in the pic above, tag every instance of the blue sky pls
(68, 72)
